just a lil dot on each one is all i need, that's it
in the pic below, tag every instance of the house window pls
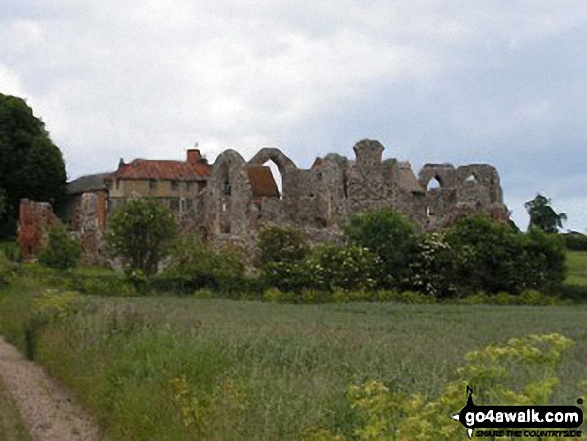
(118, 184)
(201, 185)
(174, 185)
(152, 185)
(186, 205)
(174, 204)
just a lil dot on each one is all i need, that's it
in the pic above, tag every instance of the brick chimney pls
(194, 156)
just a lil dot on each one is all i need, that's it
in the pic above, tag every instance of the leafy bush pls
(11, 250)
(392, 237)
(541, 266)
(281, 244)
(61, 250)
(350, 267)
(203, 267)
(487, 253)
(288, 276)
(489, 256)
(434, 271)
(141, 233)
(6, 270)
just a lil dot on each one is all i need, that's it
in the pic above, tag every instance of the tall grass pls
(185, 368)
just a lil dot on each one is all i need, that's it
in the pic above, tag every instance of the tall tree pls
(543, 216)
(31, 166)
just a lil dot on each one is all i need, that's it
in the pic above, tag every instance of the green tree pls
(543, 216)
(31, 166)
(392, 237)
(141, 233)
(3, 202)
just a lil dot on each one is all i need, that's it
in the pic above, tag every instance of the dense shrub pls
(61, 250)
(487, 253)
(350, 267)
(288, 276)
(541, 266)
(434, 270)
(490, 257)
(281, 244)
(203, 267)
(6, 270)
(141, 233)
(392, 237)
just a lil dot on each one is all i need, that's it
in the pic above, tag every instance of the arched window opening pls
(277, 176)
(434, 184)
(471, 181)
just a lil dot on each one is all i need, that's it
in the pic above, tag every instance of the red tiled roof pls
(262, 182)
(163, 169)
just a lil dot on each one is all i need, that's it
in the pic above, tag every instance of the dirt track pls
(47, 409)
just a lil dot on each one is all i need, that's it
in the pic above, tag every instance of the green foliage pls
(31, 166)
(220, 270)
(141, 233)
(266, 371)
(288, 276)
(3, 202)
(542, 215)
(281, 244)
(435, 270)
(7, 271)
(389, 235)
(527, 298)
(61, 250)
(542, 263)
(349, 267)
(489, 256)
(487, 253)
(520, 372)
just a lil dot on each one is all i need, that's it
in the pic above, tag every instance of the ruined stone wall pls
(232, 207)
(321, 199)
(35, 219)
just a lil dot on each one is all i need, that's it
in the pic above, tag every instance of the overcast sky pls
(454, 81)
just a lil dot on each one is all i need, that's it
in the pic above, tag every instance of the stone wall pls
(35, 219)
(321, 199)
(239, 198)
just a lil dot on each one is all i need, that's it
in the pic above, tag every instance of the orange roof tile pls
(262, 182)
(163, 169)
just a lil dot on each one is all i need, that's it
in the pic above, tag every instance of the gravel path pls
(46, 408)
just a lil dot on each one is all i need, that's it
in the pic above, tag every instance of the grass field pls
(253, 370)
(577, 268)
(181, 368)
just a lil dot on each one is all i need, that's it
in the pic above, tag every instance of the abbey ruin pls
(229, 201)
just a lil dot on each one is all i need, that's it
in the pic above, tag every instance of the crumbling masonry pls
(228, 202)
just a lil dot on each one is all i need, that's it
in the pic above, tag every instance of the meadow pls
(577, 268)
(183, 368)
